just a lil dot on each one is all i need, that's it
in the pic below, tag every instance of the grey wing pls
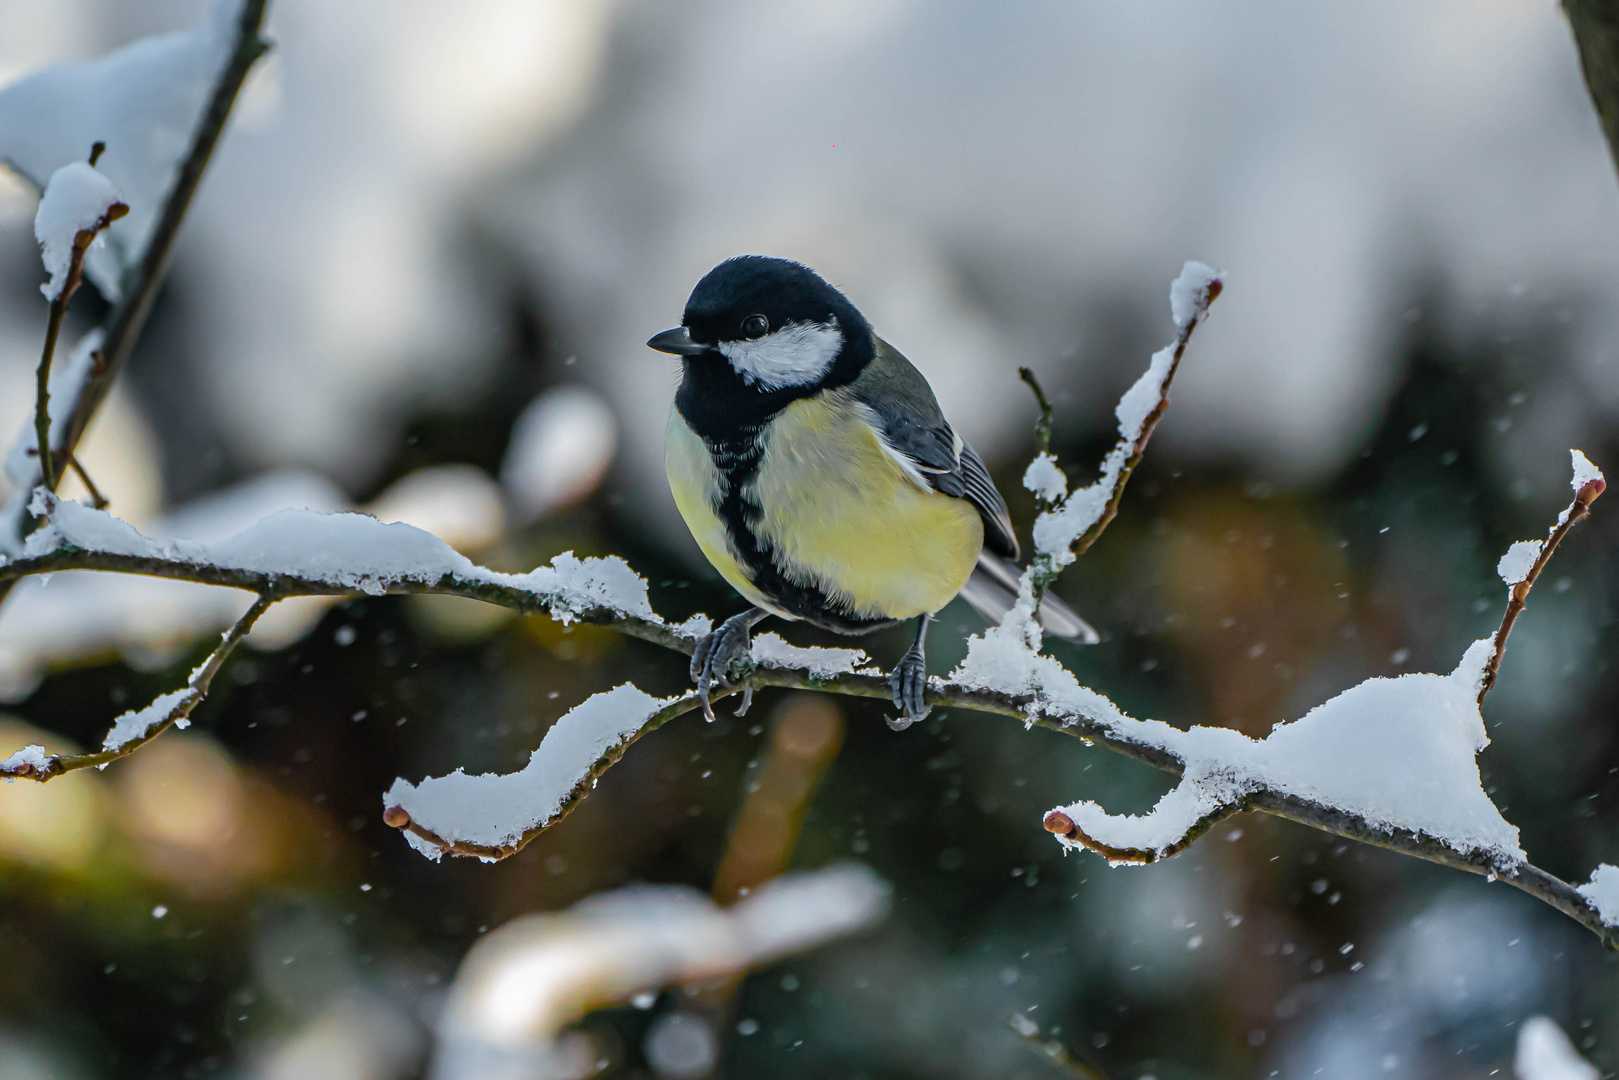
(913, 426)
(982, 493)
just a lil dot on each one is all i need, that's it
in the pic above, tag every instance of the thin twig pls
(98, 500)
(1051, 1051)
(1046, 567)
(1042, 426)
(1519, 597)
(196, 690)
(124, 324)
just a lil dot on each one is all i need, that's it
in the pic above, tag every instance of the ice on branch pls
(1544, 1053)
(1056, 531)
(348, 552)
(143, 101)
(770, 650)
(1603, 893)
(77, 199)
(495, 810)
(138, 723)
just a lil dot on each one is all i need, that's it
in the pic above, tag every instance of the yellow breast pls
(697, 487)
(844, 515)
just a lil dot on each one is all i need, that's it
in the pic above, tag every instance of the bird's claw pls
(909, 682)
(715, 655)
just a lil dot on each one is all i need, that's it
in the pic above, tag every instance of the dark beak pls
(677, 341)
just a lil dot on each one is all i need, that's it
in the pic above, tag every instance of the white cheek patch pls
(795, 355)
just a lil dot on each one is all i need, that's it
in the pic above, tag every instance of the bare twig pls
(125, 322)
(1042, 426)
(1576, 512)
(178, 713)
(98, 500)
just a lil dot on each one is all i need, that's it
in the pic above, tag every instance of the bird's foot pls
(909, 681)
(718, 652)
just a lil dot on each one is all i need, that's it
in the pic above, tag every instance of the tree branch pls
(1076, 712)
(177, 710)
(1596, 32)
(1027, 709)
(126, 321)
(53, 328)
(1576, 513)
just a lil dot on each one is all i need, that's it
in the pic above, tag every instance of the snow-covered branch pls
(1389, 762)
(77, 205)
(143, 102)
(138, 727)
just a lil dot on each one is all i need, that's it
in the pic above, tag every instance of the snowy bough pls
(1390, 762)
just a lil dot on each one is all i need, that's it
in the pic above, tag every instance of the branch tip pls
(397, 816)
(1042, 426)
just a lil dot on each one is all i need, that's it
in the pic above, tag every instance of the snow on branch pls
(494, 816)
(302, 552)
(1396, 753)
(1524, 561)
(144, 101)
(153, 111)
(1423, 800)
(138, 727)
(487, 816)
(1077, 518)
(78, 204)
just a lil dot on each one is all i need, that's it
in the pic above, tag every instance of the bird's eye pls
(755, 326)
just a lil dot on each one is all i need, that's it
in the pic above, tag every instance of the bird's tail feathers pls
(993, 589)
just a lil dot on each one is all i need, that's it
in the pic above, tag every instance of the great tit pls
(815, 470)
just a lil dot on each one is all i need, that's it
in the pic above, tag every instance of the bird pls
(817, 473)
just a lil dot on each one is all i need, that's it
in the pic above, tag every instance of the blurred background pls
(417, 280)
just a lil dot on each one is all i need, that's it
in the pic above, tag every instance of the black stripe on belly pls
(738, 461)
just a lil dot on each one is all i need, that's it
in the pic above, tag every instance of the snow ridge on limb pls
(492, 815)
(308, 552)
(1397, 753)
(78, 204)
